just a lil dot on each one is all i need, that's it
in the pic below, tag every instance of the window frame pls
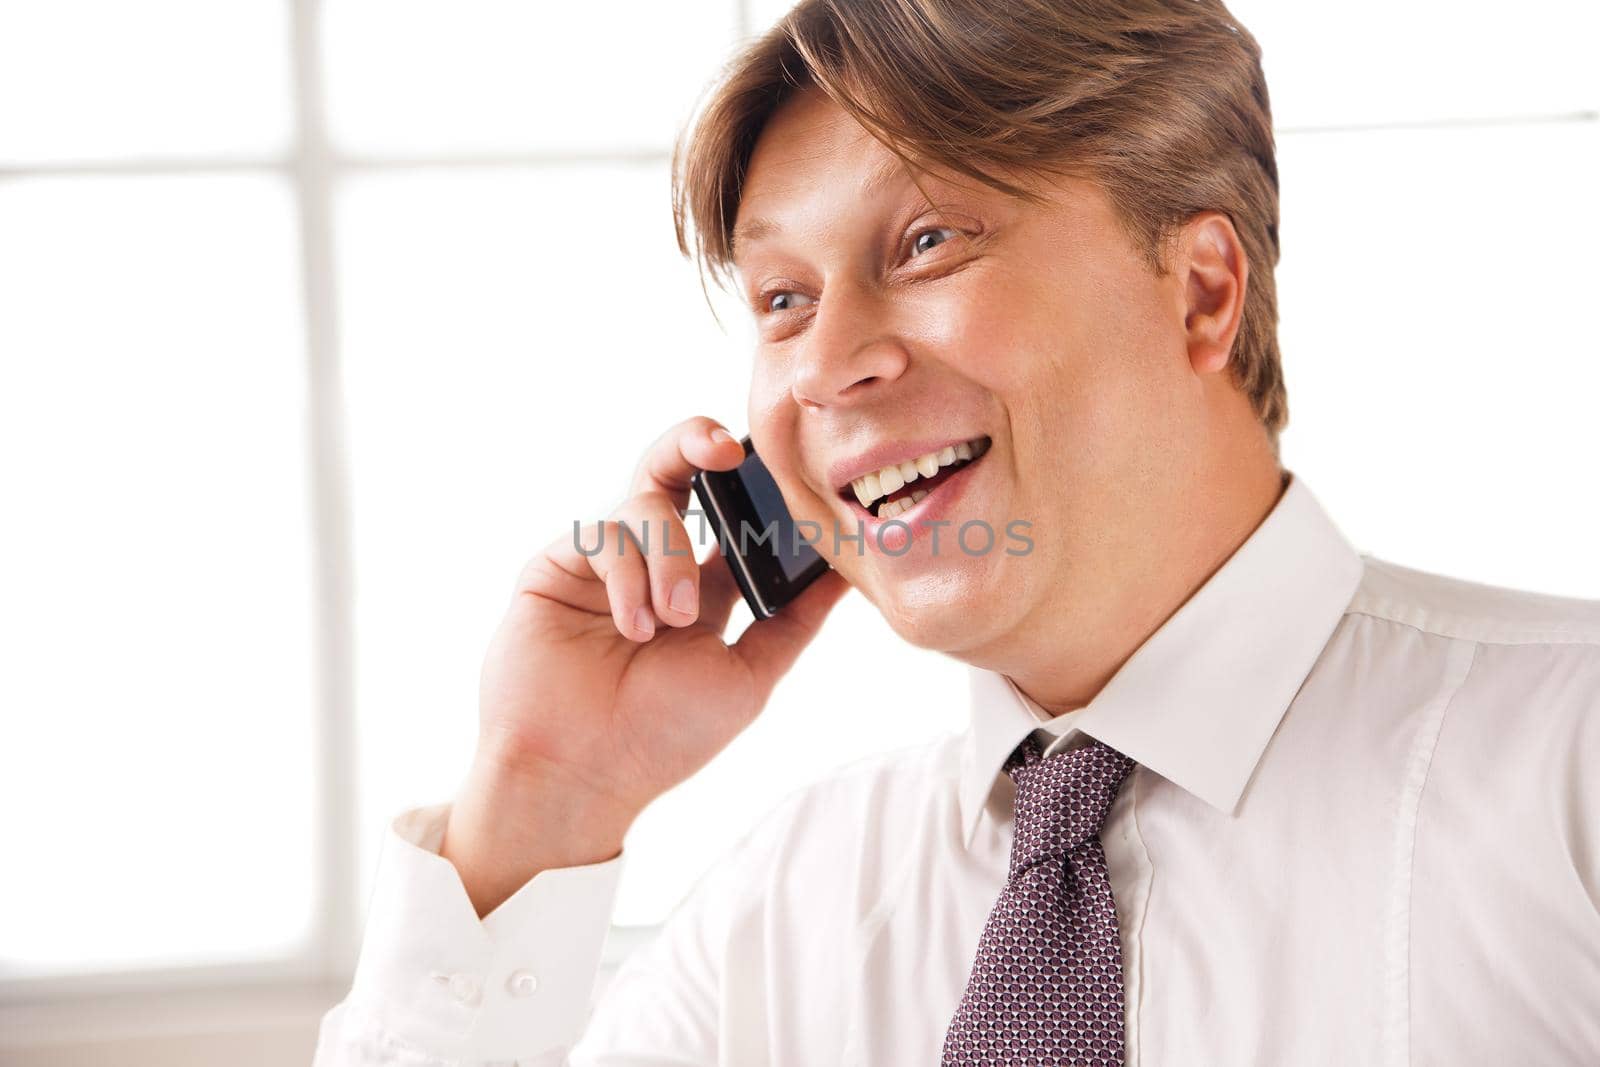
(314, 168)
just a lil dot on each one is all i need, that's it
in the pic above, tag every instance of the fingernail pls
(644, 622)
(720, 435)
(683, 597)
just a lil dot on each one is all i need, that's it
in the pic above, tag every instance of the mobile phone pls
(757, 535)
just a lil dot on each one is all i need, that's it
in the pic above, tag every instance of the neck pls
(1074, 643)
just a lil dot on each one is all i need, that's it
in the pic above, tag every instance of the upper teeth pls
(893, 478)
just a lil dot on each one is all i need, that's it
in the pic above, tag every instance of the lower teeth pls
(900, 504)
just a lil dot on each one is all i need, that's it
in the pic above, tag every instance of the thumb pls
(771, 646)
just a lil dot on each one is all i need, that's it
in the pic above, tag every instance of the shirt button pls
(464, 987)
(522, 983)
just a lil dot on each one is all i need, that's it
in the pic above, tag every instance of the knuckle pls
(632, 536)
(650, 526)
(534, 573)
(654, 500)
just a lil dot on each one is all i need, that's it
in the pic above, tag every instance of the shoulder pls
(1515, 753)
(1474, 611)
(1523, 690)
(1520, 659)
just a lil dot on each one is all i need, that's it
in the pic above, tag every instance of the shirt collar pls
(1198, 701)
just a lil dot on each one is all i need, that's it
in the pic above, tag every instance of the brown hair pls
(1161, 102)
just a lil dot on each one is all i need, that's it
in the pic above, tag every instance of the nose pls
(849, 354)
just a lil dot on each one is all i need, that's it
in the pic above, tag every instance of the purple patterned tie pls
(1047, 984)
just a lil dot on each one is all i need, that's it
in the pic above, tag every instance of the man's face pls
(883, 335)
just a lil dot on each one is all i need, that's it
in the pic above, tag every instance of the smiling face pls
(889, 329)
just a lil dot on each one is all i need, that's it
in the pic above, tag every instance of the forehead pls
(812, 156)
(813, 164)
(810, 134)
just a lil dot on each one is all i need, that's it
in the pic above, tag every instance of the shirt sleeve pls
(437, 985)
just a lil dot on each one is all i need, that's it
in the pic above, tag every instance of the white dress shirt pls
(1363, 828)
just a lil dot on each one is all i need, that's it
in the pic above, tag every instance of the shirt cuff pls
(516, 983)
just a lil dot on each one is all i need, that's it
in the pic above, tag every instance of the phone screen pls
(769, 508)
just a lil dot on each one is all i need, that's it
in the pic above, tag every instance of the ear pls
(1214, 271)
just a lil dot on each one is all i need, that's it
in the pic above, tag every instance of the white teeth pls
(891, 479)
(872, 487)
(896, 508)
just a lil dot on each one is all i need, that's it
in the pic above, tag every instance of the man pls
(1232, 794)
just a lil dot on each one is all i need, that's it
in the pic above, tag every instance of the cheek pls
(1137, 372)
(766, 401)
(982, 326)
(774, 429)
(1027, 340)
(1081, 369)
(772, 419)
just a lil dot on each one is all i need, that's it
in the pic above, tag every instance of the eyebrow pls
(759, 228)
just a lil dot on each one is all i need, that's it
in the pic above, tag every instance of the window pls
(316, 319)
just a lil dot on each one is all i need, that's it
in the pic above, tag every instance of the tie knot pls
(1063, 800)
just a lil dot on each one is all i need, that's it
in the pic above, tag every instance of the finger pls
(771, 646)
(668, 554)
(694, 444)
(718, 590)
(562, 571)
(621, 566)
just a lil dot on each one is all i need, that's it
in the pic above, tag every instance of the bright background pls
(317, 318)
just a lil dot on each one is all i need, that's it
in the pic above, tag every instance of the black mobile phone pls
(757, 535)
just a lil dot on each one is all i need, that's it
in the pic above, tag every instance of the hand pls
(608, 681)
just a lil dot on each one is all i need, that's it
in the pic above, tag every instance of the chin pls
(943, 616)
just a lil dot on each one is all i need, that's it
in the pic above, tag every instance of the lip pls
(845, 471)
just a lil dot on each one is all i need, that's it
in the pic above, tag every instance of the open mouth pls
(887, 492)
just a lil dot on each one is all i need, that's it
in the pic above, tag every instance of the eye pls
(930, 239)
(786, 299)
